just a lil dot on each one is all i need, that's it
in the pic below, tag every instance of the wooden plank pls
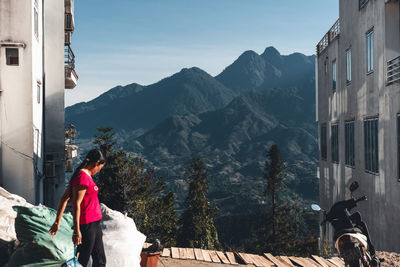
(255, 260)
(206, 255)
(299, 261)
(190, 254)
(214, 256)
(198, 254)
(166, 252)
(175, 253)
(245, 258)
(277, 262)
(286, 259)
(338, 263)
(339, 260)
(311, 262)
(182, 253)
(222, 257)
(322, 261)
(265, 262)
(231, 258)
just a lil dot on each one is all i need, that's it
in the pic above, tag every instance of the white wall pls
(16, 100)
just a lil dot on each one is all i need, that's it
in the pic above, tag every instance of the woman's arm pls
(60, 210)
(78, 192)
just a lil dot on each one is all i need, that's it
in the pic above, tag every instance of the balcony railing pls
(331, 35)
(69, 57)
(70, 75)
(393, 70)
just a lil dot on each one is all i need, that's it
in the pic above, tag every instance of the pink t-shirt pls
(90, 206)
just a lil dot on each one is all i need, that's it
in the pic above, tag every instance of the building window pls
(348, 66)
(323, 142)
(363, 3)
(371, 145)
(335, 142)
(38, 93)
(36, 22)
(334, 78)
(370, 52)
(398, 146)
(12, 58)
(349, 140)
(68, 22)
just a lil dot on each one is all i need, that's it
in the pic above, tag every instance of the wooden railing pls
(331, 35)
(393, 70)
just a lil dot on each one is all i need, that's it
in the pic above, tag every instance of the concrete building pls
(358, 113)
(36, 66)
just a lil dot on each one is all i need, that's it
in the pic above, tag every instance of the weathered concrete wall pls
(54, 95)
(17, 174)
(367, 95)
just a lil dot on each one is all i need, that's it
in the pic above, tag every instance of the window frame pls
(398, 146)
(362, 3)
(38, 92)
(335, 142)
(9, 58)
(334, 76)
(349, 134)
(36, 19)
(348, 66)
(323, 142)
(370, 51)
(371, 145)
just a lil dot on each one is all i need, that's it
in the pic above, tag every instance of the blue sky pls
(124, 41)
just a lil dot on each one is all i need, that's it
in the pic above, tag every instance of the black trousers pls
(92, 245)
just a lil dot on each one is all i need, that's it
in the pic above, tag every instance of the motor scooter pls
(352, 240)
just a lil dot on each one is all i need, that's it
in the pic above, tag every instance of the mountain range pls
(230, 120)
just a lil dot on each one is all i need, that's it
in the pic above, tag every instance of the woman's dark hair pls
(94, 155)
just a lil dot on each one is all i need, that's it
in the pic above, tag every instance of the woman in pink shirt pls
(85, 210)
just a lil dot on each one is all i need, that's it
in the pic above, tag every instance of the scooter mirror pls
(354, 185)
(315, 207)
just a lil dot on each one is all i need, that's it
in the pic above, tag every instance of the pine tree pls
(278, 231)
(110, 183)
(274, 175)
(127, 186)
(198, 229)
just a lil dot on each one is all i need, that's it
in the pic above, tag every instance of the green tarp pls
(38, 248)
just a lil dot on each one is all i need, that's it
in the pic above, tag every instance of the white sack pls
(123, 243)
(8, 215)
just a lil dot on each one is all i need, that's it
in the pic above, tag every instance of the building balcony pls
(69, 6)
(69, 15)
(393, 71)
(329, 37)
(71, 77)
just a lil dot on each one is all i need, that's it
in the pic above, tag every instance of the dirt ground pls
(391, 259)
(169, 262)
